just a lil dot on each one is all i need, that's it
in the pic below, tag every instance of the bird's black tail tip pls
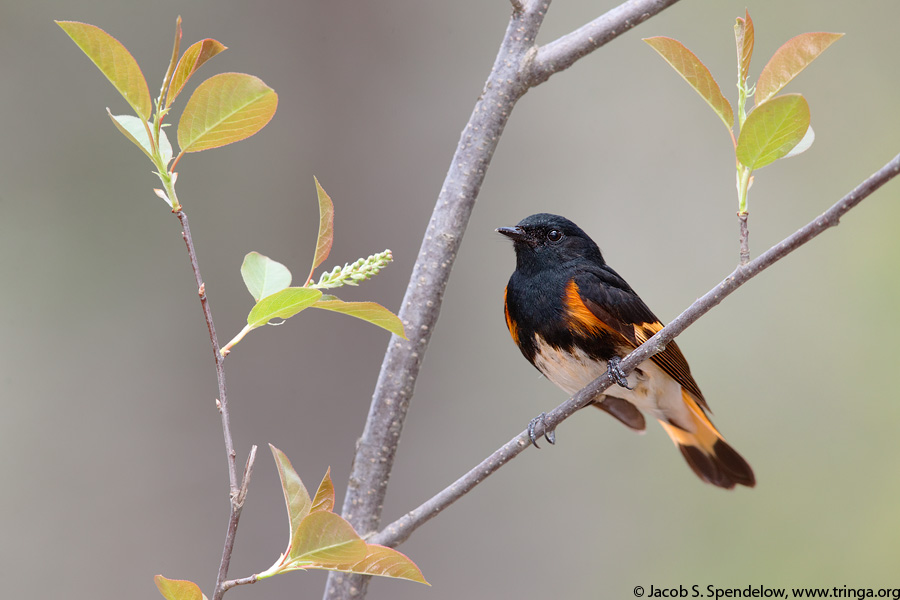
(723, 467)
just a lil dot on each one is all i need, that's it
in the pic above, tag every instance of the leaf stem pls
(226, 349)
(168, 181)
(177, 158)
(154, 147)
(742, 99)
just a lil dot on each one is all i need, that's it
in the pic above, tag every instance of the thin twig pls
(400, 530)
(245, 480)
(222, 402)
(237, 505)
(237, 490)
(519, 65)
(236, 582)
(744, 237)
(562, 53)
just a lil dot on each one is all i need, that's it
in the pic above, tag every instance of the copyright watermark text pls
(762, 591)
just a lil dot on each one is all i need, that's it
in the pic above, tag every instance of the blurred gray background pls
(110, 444)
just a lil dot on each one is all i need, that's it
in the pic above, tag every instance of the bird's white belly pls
(654, 391)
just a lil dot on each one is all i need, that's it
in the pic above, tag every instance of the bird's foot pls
(549, 434)
(616, 372)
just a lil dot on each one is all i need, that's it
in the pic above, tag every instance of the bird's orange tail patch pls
(707, 452)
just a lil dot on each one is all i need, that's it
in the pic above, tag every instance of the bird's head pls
(545, 241)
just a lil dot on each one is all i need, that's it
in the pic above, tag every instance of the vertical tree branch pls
(421, 304)
(238, 490)
(515, 70)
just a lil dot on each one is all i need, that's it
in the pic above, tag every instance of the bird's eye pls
(554, 235)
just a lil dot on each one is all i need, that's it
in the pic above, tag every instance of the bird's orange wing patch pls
(513, 327)
(580, 317)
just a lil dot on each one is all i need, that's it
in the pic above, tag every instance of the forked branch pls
(520, 65)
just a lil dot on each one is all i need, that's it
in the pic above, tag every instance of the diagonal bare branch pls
(402, 528)
(562, 53)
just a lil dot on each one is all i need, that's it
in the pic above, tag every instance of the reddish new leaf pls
(695, 73)
(192, 59)
(787, 62)
(178, 589)
(295, 495)
(114, 61)
(224, 109)
(324, 499)
(174, 60)
(326, 228)
(324, 539)
(744, 38)
(388, 562)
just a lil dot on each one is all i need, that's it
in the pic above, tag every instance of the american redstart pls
(574, 318)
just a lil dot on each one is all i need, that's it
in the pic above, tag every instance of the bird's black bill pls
(514, 233)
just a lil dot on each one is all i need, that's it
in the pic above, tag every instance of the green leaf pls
(324, 499)
(324, 539)
(695, 73)
(264, 276)
(133, 128)
(114, 61)
(386, 562)
(772, 130)
(282, 305)
(787, 62)
(162, 194)
(224, 109)
(372, 312)
(744, 38)
(326, 228)
(192, 59)
(295, 495)
(178, 589)
(803, 145)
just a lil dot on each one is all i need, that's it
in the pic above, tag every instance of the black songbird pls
(571, 315)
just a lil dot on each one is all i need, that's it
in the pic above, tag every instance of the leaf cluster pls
(224, 109)
(318, 539)
(269, 281)
(227, 108)
(321, 539)
(778, 126)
